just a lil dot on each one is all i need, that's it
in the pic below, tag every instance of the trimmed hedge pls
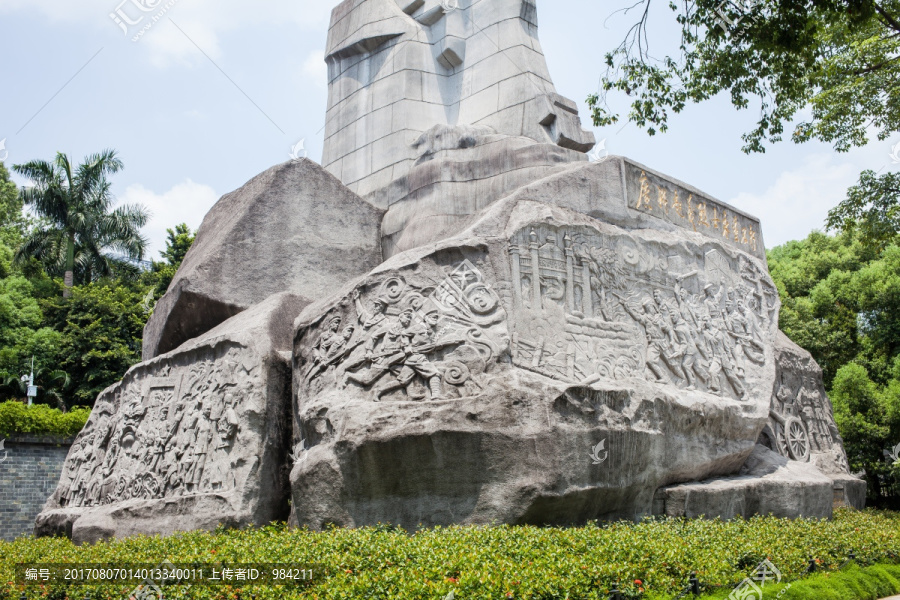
(40, 419)
(651, 559)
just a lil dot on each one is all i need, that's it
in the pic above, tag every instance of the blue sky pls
(217, 91)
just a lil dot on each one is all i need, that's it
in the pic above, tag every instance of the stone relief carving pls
(409, 340)
(601, 307)
(801, 423)
(171, 435)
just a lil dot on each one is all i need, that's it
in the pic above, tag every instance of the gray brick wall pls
(27, 478)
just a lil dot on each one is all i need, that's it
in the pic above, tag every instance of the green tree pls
(866, 415)
(24, 336)
(178, 242)
(840, 58)
(841, 301)
(101, 326)
(78, 225)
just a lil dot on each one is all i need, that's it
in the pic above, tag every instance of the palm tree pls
(77, 224)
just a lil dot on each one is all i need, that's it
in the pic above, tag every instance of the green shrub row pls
(40, 419)
(650, 559)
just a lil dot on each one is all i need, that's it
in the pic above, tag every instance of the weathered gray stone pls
(292, 228)
(399, 68)
(189, 440)
(769, 484)
(649, 351)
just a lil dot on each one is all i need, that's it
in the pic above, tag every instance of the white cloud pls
(800, 199)
(186, 202)
(205, 21)
(315, 68)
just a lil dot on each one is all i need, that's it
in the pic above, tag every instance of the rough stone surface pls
(189, 440)
(399, 68)
(562, 368)
(29, 469)
(292, 228)
(460, 171)
(768, 484)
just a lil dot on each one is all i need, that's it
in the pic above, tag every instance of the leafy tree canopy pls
(838, 59)
(841, 301)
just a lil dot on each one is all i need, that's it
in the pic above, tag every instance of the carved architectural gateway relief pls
(591, 306)
(173, 434)
(409, 340)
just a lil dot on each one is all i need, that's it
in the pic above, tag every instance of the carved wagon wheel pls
(797, 439)
(780, 442)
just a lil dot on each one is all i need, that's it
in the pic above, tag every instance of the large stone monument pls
(458, 319)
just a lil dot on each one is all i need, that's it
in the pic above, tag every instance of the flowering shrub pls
(651, 559)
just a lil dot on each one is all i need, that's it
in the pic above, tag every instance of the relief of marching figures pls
(173, 437)
(407, 340)
(591, 307)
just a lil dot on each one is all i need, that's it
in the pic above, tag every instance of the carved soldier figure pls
(200, 449)
(691, 360)
(667, 306)
(329, 346)
(688, 305)
(226, 430)
(658, 337)
(83, 459)
(376, 317)
(736, 328)
(712, 302)
(402, 352)
(720, 358)
(158, 438)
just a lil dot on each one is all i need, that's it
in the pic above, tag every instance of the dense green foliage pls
(841, 301)
(83, 343)
(655, 556)
(16, 417)
(839, 57)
